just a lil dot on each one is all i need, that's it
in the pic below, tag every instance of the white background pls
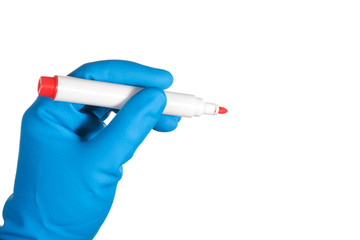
(282, 164)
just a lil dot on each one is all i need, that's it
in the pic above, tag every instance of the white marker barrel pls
(112, 95)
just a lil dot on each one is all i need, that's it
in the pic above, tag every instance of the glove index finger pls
(124, 72)
(119, 140)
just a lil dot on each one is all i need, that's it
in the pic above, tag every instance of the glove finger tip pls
(166, 123)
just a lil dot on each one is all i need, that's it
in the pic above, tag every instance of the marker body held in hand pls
(112, 95)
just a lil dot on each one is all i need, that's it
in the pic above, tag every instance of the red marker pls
(111, 95)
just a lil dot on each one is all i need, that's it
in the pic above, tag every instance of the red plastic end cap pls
(47, 86)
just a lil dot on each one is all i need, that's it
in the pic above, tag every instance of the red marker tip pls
(222, 110)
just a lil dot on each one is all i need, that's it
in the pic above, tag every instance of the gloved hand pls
(70, 162)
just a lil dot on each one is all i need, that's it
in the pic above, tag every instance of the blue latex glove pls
(70, 162)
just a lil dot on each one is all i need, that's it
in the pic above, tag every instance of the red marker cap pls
(47, 87)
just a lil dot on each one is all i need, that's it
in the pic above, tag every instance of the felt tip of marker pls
(222, 110)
